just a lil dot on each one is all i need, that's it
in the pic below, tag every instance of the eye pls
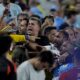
(32, 23)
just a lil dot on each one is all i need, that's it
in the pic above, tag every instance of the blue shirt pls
(58, 21)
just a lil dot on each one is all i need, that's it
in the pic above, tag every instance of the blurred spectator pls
(49, 33)
(77, 23)
(20, 52)
(12, 22)
(36, 65)
(33, 29)
(24, 5)
(34, 26)
(10, 9)
(57, 13)
(74, 73)
(65, 60)
(7, 67)
(71, 19)
(23, 27)
(71, 33)
(77, 33)
(47, 21)
(21, 17)
(37, 9)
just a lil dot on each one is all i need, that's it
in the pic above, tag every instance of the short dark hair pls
(5, 43)
(48, 29)
(46, 56)
(49, 17)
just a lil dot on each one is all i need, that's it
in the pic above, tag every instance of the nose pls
(29, 25)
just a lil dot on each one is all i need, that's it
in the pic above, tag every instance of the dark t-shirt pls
(43, 41)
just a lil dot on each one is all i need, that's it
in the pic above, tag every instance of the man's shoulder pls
(24, 68)
(24, 65)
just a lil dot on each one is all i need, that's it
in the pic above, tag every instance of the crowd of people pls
(39, 46)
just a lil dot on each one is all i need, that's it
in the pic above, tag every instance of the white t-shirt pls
(26, 71)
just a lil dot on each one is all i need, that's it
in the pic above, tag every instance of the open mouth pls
(29, 31)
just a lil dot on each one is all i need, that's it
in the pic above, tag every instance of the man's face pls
(21, 18)
(55, 36)
(23, 27)
(71, 34)
(51, 35)
(41, 65)
(33, 28)
(77, 31)
(64, 47)
(58, 37)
